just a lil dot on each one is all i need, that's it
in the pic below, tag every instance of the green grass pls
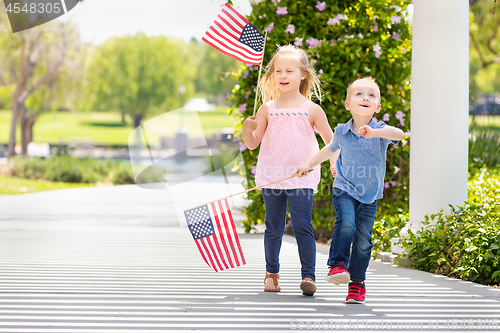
(489, 123)
(105, 128)
(14, 185)
(484, 139)
(486, 122)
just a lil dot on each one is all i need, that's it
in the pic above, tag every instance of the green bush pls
(466, 242)
(385, 229)
(345, 40)
(123, 175)
(64, 168)
(33, 168)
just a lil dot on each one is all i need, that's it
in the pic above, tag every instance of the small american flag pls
(214, 233)
(232, 34)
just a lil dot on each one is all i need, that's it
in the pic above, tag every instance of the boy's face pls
(364, 99)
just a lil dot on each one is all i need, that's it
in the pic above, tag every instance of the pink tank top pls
(288, 142)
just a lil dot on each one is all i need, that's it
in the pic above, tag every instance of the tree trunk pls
(12, 139)
(24, 121)
(30, 122)
(137, 126)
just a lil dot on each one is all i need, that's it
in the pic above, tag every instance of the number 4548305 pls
(34, 8)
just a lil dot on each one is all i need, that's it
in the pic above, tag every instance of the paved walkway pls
(115, 260)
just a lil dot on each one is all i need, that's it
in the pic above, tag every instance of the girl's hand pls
(366, 132)
(302, 171)
(250, 124)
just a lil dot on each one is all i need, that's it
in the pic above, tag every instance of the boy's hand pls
(302, 171)
(366, 132)
(333, 170)
(250, 124)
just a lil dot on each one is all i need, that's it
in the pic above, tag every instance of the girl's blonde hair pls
(309, 86)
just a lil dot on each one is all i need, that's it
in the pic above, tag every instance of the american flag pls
(214, 233)
(232, 34)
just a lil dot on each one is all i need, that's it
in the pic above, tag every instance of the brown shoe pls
(308, 287)
(271, 282)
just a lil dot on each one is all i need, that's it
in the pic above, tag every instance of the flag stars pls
(202, 229)
(197, 215)
(230, 41)
(252, 37)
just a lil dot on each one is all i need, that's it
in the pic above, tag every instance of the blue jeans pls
(300, 203)
(353, 226)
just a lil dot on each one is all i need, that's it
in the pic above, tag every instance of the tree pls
(484, 49)
(32, 60)
(345, 40)
(47, 98)
(484, 33)
(213, 76)
(139, 76)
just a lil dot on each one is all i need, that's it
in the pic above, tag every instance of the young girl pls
(285, 125)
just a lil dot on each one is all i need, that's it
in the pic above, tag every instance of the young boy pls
(359, 183)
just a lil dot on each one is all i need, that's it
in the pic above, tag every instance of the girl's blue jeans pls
(300, 204)
(352, 237)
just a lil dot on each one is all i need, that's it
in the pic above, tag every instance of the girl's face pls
(287, 74)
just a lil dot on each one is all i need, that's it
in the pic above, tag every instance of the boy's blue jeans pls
(353, 226)
(300, 203)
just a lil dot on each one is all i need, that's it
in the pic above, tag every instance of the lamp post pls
(181, 136)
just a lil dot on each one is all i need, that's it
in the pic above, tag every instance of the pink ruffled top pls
(288, 142)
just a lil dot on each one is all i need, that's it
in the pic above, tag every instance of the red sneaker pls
(357, 292)
(338, 275)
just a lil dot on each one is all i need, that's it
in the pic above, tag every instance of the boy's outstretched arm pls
(333, 163)
(323, 155)
(388, 132)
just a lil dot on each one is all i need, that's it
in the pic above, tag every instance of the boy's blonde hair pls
(367, 78)
(309, 86)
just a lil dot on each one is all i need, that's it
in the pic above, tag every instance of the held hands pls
(366, 132)
(302, 171)
(333, 170)
(250, 124)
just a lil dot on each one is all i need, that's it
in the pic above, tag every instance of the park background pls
(84, 98)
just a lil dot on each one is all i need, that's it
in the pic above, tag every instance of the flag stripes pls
(214, 232)
(225, 36)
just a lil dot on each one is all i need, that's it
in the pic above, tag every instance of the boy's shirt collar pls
(348, 126)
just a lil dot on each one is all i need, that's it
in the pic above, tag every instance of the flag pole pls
(258, 80)
(251, 189)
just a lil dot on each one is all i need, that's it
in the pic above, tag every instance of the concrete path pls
(115, 260)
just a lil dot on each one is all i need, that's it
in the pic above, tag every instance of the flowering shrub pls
(464, 243)
(345, 40)
(385, 229)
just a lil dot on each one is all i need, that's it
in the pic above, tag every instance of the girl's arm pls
(320, 157)
(254, 129)
(320, 121)
(317, 118)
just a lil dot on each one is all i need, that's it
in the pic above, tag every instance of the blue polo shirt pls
(361, 162)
